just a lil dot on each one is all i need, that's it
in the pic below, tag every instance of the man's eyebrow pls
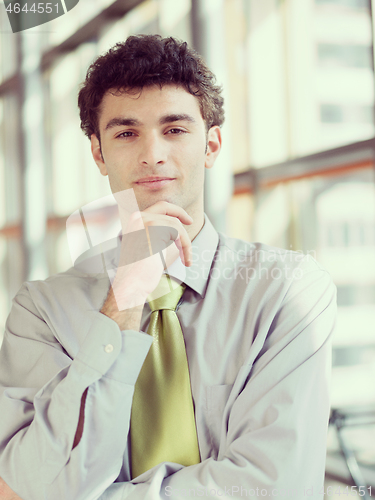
(121, 122)
(176, 118)
(133, 122)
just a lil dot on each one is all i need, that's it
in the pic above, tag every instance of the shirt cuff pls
(108, 351)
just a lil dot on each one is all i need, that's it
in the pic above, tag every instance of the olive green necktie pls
(162, 427)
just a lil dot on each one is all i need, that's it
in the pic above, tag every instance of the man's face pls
(159, 133)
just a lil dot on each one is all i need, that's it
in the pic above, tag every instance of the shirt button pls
(108, 348)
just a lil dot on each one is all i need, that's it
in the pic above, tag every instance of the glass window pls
(175, 19)
(331, 113)
(10, 168)
(3, 216)
(74, 176)
(62, 27)
(336, 113)
(74, 179)
(332, 218)
(11, 273)
(144, 18)
(360, 114)
(240, 216)
(309, 86)
(11, 253)
(355, 4)
(236, 92)
(355, 56)
(8, 47)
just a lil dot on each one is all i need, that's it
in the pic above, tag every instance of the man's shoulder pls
(267, 273)
(250, 254)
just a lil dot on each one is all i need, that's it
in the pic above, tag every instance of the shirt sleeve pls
(41, 387)
(274, 427)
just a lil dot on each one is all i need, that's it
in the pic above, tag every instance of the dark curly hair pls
(144, 60)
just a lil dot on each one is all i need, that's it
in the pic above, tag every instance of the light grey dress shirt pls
(257, 321)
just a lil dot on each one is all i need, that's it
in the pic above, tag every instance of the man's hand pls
(6, 493)
(134, 282)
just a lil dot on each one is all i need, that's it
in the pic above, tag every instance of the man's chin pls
(152, 200)
(127, 197)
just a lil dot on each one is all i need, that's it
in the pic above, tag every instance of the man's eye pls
(125, 134)
(176, 131)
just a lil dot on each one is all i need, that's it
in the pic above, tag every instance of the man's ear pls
(97, 154)
(213, 146)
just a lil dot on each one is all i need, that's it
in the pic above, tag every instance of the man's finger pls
(139, 245)
(166, 208)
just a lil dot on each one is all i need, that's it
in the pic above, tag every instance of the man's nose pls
(153, 151)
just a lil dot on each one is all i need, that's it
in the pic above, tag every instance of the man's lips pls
(154, 182)
(153, 179)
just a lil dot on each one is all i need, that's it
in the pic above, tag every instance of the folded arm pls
(273, 430)
(274, 427)
(44, 453)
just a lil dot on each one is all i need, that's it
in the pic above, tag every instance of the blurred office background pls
(296, 171)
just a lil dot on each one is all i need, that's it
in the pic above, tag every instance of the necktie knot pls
(166, 295)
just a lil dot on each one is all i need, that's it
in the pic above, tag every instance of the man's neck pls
(195, 228)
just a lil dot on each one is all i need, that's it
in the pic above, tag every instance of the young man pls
(230, 383)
